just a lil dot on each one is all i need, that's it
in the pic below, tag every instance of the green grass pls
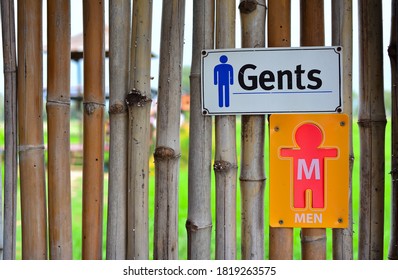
(183, 200)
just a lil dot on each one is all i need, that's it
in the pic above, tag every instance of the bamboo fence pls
(342, 36)
(225, 165)
(372, 122)
(1, 216)
(93, 130)
(199, 222)
(252, 175)
(167, 152)
(139, 104)
(129, 111)
(58, 115)
(119, 47)
(10, 130)
(313, 241)
(279, 35)
(30, 120)
(392, 52)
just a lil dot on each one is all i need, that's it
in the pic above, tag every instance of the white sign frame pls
(271, 80)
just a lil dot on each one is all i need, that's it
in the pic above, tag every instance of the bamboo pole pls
(58, 115)
(392, 52)
(225, 166)
(252, 177)
(342, 36)
(10, 128)
(31, 148)
(313, 241)
(119, 46)
(93, 121)
(1, 216)
(281, 239)
(199, 222)
(167, 151)
(372, 122)
(139, 106)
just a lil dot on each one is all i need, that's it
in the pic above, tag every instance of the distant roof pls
(76, 45)
(76, 42)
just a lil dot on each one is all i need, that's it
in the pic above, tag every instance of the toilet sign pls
(271, 80)
(309, 170)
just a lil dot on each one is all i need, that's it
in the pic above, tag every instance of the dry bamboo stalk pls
(58, 115)
(252, 176)
(93, 121)
(119, 46)
(139, 106)
(342, 36)
(31, 148)
(281, 239)
(199, 222)
(167, 151)
(372, 122)
(313, 241)
(392, 52)
(312, 23)
(225, 166)
(10, 128)
(1, 216)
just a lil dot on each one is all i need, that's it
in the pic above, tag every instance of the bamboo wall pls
(45, 167)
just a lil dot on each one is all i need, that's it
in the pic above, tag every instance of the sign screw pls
(281, 222)
(276, 128)
(340, 220)
(342, 123)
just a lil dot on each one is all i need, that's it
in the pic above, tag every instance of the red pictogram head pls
(309, 136)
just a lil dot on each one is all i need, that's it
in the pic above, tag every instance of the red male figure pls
(308, 165)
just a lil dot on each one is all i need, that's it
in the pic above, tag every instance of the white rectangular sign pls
(272, 80)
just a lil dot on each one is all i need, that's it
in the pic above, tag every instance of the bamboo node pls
(393, 174)
(58, 102)
(117, 108)
(259, 180)
(90, 107)
(24, 148)
(135, 97)
(165, 153)
(248, 6)
(392, 51)
(6, 71)
(311, 239)
(194, 75)
(192, 227)
(369, 122)
(223, 166)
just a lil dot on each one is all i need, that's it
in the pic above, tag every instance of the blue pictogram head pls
(223, 59)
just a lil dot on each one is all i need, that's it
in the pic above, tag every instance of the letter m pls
(303, 167)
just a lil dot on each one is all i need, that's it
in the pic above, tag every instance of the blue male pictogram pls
(223, 77)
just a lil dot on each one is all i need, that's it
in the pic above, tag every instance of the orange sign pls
(309, 165)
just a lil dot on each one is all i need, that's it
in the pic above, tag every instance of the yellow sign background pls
(335, 130)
